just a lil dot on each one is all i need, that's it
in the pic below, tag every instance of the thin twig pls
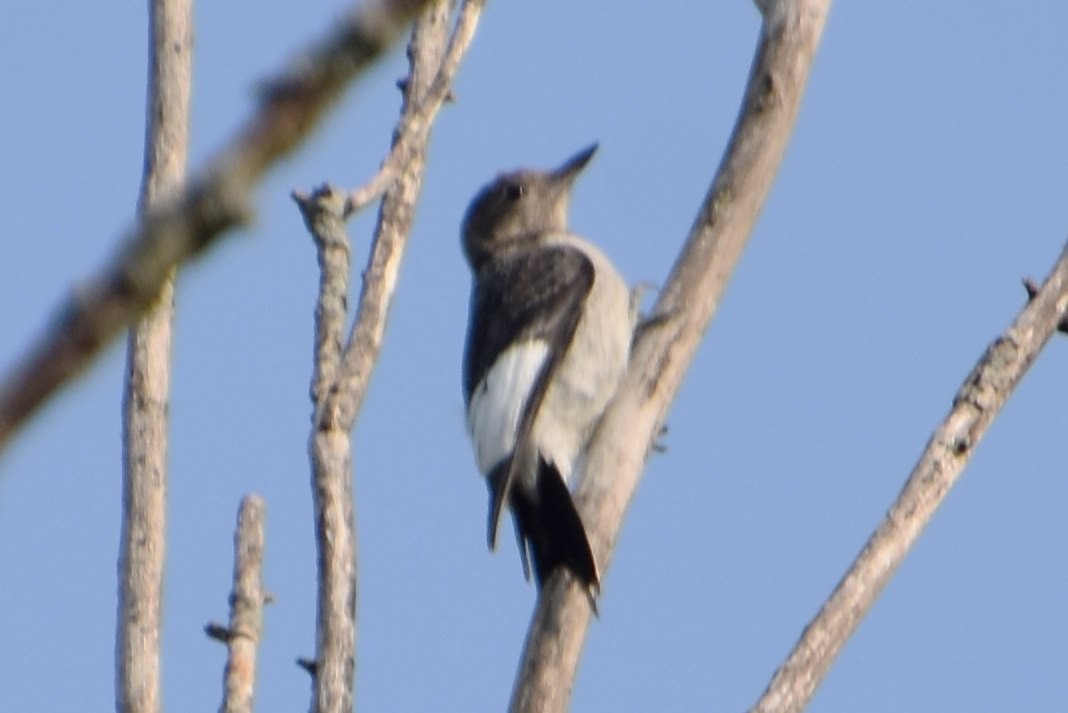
(215, 200)
(142, 541)
(360, 198)
(242, 636)
(662, 352)
(341, 375)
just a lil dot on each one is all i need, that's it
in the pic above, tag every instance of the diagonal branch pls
(662, 352)
(425, 92)
(976, 404)
(213, 201)
(420, 111)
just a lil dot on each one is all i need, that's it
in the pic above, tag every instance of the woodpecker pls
(548, 340)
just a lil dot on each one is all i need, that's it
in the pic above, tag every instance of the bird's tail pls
(549, 527)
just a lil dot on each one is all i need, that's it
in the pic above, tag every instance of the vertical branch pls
(341, 375)
(977, 403)
(331, 460)
(247, 598)
(662, 352)
(147, 388)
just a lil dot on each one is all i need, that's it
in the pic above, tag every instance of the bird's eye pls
(514, 191)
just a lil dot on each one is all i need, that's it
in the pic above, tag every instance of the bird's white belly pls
(579, 390)
(498, 401)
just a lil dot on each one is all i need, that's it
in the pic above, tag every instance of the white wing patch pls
(498, 400)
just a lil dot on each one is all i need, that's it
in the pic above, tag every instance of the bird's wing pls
(524, 312)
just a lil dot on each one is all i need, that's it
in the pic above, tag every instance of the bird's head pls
(518, 205)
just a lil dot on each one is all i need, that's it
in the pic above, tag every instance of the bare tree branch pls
(341, 376)
(147, 390)
(980, 398)
(215, 200)
(242, 636)
(331, 458)
(420, 111)
(662, 351)
(425, 92)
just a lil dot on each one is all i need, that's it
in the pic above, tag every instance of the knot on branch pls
(1032, 290)
(218, 632)
(324, 212)
(309, 665)
(980, 390)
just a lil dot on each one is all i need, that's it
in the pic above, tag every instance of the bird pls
(548, 341)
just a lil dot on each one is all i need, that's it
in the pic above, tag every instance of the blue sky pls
(925, 178)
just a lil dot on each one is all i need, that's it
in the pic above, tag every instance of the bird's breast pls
(589, 374)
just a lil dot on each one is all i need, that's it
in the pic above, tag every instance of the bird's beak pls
(565, 175)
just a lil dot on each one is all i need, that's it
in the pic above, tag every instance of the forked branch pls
(342, 374)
